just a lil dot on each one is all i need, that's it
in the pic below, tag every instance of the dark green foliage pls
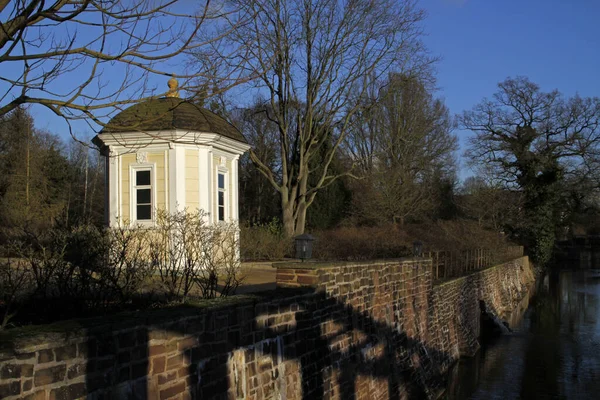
(43, 182)
(332, 203)
(259, 201)
(330, 207)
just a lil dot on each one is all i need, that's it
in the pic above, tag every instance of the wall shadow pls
(338, 349)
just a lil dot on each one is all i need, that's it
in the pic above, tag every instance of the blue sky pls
(482, 42)
(554, 43)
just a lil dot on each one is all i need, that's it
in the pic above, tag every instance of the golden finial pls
(173, 85)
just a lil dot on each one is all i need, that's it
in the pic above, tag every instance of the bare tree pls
(311, 58)
(403, 145)
(491, 204)
(258, 198)
(535, 141)
(115, 46)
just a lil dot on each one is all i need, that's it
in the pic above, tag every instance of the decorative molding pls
(141, 157)
(222, 161)
(126, 141)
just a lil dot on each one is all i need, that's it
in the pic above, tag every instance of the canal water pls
(553, 351)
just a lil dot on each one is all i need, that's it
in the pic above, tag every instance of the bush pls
(84, 271)
(267, 242)
(264, 242)
(364, 243)
(15, 285)
(455, 235)
(188, 252)
(393, 241)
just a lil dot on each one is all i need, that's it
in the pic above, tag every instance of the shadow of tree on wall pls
(210, 353)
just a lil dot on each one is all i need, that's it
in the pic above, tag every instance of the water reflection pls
(553, 352)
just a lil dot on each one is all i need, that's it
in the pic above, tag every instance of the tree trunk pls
(301, 202)
(27, 167)
(301, 218)
(287, 209)
(85, 184)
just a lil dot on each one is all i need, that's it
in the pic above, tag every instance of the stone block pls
(26, 356)
(74, 391)
(172, 391)
(45, 356)
(174, 361)
(50, 375)
(106, 345)
(158, 364)
(157, 349)
(124, 374)
(308, 280)
(285, 277)
(66, 352)
(76, 370)
(186, 343)
(82, 350)
(166, 378)
(39, 395)
(124, 357)
(10, 389)
(10, 371)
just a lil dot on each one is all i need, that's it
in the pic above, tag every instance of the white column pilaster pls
(210, 174)
(176, 178)
(114, 193)
(235, 206)
(204, 180)
(180, 178)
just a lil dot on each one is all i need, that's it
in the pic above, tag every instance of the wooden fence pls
(455, 263)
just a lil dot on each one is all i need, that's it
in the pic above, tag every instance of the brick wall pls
(366, 331)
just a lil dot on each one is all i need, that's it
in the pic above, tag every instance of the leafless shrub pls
(15, 284)
(45, 256)
(87, 270)
(91, 268)
(187, 251)
(221, 261)
(127, 266)
(172, 253)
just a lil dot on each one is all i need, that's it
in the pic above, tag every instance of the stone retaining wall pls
(375, 330)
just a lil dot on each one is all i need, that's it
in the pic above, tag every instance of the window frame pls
(133, 188)
(225, 173)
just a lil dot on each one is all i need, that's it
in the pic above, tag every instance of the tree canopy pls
(312, 59)
(86, 59)
(403, 147)
(42, 181)
(537, 142)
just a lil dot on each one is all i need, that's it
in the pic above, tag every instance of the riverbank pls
(552, 352)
